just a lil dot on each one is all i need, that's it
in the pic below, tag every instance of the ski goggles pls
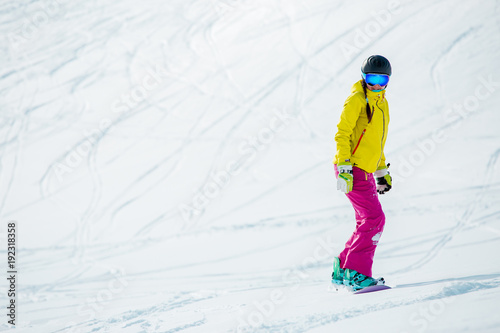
(374, 79)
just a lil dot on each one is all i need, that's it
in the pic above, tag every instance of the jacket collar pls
(373, 96)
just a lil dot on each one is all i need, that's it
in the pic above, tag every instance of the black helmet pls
(376, 64)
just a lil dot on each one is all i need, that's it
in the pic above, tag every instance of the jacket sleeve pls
(382, 165)
(348, 120)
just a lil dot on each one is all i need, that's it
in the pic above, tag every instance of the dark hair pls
(369, 113)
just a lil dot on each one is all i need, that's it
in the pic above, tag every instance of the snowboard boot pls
(338, 273)
(359, 281)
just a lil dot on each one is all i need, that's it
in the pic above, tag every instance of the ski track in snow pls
(227, 66)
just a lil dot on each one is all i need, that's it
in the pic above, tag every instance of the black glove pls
(384, 181)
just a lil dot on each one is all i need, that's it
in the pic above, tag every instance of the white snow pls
(169, 164)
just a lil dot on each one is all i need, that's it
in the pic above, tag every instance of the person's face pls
(376, 87)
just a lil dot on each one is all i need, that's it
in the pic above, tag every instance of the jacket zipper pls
(363, 133)
(361, 137)
(383, 134)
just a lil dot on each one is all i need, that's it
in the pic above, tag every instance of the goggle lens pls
(373, 79)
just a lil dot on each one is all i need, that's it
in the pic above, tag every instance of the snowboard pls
(344, 289)
(372, 289)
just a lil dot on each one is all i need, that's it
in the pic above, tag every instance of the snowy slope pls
(168, 164)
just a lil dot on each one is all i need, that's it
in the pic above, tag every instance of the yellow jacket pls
(357, 140)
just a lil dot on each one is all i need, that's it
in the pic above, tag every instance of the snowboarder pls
(361, 136)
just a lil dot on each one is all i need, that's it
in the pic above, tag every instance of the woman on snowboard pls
(361, 135)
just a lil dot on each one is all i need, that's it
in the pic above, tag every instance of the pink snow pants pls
(370, 219)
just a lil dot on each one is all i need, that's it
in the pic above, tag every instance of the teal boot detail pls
(338, 273)
(359, 281)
